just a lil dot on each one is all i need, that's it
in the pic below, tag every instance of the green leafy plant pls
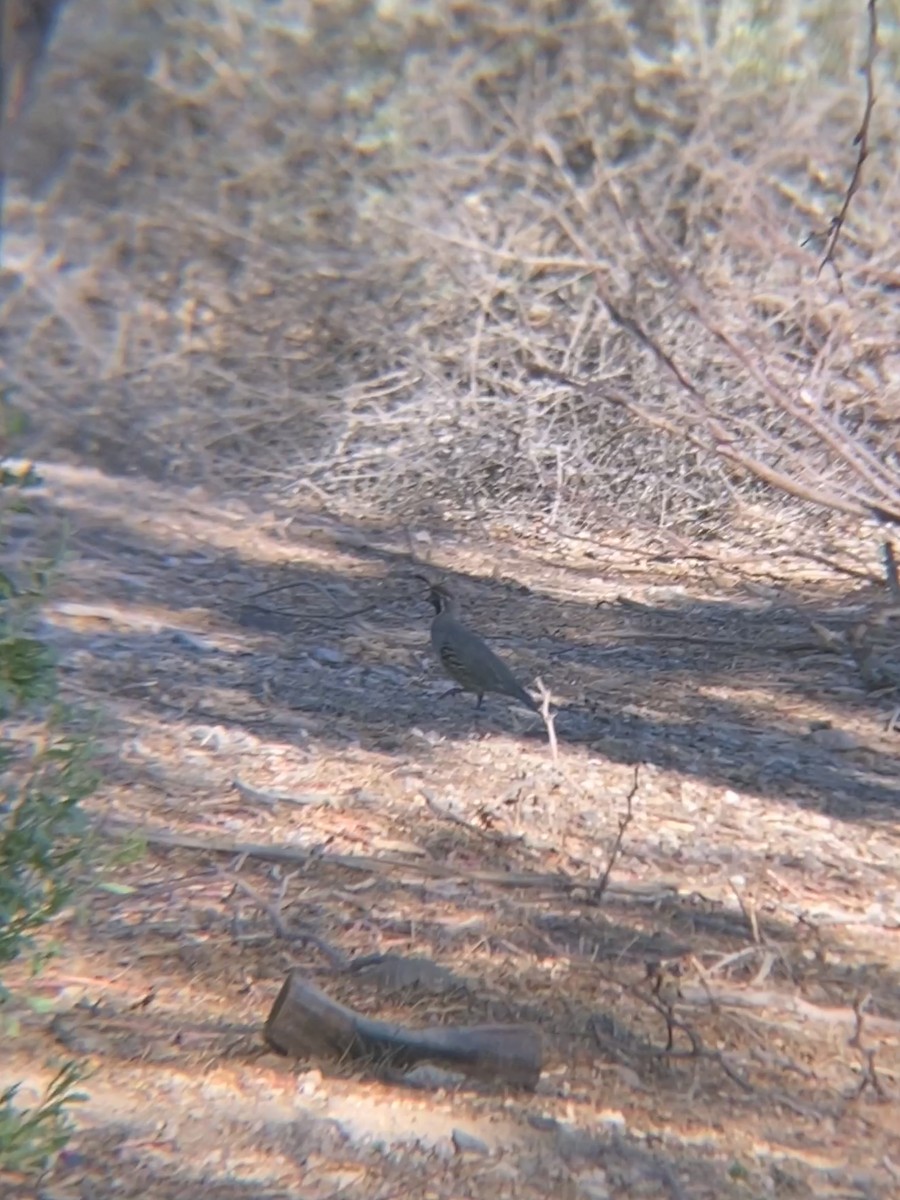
(43, 770)
(31, 1137)
(45, 773)
(42, 835)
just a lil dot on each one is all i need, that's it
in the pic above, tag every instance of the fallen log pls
(304, 1020)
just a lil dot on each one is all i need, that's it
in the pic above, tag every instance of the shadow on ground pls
(264, 699)
(326, 627)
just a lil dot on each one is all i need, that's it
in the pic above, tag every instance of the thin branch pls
(445, 814)
(256, 796)
(865, 465)
(869, 1077)
(861, 140)
(637, 893)
(284, 931)
(784, 1005)
(548, 718)
(890, 570)
(697, 1050)
(624, 822)
(748, 908)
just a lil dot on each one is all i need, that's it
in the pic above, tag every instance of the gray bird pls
(465, 657)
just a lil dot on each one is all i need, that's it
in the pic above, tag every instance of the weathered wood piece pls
(305, 1020)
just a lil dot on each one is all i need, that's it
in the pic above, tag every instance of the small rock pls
(592, 1185)
(328, 656)
(309, 1083)
(505, 1172)
(834, 739)
(817, 820)
(191, 641)
(466, 1143)
(544, 1123)
(878, 914)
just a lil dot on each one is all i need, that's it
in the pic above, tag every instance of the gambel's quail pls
(465, 657)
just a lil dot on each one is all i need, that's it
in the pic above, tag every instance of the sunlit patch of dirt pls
(314, 771)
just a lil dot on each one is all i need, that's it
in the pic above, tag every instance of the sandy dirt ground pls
(697, 900)
(261, 694)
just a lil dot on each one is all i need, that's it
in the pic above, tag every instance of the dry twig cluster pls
(437, 264)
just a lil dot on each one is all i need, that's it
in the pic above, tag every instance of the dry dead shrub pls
(444, 258)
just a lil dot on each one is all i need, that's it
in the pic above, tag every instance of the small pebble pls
(465, 1143)
(328, 657)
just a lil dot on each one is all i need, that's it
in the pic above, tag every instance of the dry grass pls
(366, 253)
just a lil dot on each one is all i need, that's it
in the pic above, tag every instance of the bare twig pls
(624, 821)
(255, 796)
(784, 1004)
(890, 570)
(273, 911)
(869, 1077)
(769, 958)
(861, 140)
(666, 1008)
(445, 814)
(877, 493)
(663, 999)
(548, 718)
(704, 430)
(748, 908)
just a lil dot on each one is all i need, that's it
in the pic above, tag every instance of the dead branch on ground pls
(637, 893)
(445, 814)
(282, 930)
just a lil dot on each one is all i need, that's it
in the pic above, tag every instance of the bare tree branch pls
(861, 140)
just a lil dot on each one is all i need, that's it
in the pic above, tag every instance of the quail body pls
(466, 658)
